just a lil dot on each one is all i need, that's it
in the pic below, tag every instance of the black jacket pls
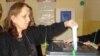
(11, 46)
(93, 37)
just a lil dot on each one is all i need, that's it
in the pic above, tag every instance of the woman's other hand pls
(91, 44)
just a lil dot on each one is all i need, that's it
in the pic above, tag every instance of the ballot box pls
(59, 48)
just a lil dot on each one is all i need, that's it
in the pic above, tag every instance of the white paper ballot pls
(74, 34)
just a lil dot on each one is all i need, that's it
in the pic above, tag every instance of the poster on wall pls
(15, 0)
(64, 14)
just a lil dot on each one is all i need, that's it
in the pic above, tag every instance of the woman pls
(21, 36)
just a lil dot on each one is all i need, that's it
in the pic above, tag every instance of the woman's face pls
(21, 21)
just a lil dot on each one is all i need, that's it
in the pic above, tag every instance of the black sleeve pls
(48, 32)
(93, 37)
(3, 46)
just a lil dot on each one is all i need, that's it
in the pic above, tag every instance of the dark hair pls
(15, 10)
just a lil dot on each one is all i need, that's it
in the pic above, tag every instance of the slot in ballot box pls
(62, 49)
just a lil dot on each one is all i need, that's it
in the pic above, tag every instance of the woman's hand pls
(91, 44)
(70, 23)
(69, 40)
